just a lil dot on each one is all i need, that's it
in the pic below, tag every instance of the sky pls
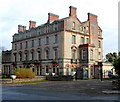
(15, 12)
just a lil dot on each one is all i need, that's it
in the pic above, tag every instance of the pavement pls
(62, 90)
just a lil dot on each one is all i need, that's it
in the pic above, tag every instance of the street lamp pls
(100, 70)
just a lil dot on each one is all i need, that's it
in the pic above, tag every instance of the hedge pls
(24, 73)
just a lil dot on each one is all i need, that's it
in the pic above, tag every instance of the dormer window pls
(73, 25)
(99, 33)
(82, 29)
(87, 40)
(55, 26)
(99, 44)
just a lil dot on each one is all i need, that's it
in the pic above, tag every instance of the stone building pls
(60, 46)
(6, 63)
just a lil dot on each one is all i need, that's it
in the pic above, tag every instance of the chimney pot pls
(92, 17)
(72, 11)
(20, 28)
(52, 17)
(32, 24)
(24, 28)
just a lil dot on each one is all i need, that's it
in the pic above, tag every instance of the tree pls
(112, 56)
(116, 65)
(109, 57)
(115, 59)
(118, 54)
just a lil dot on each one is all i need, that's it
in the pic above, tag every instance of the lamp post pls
(100, 70)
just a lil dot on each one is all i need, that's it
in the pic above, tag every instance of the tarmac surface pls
(94, 90)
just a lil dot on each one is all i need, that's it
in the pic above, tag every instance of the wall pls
(5, 81)
(107, 67)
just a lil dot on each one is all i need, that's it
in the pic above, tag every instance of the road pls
(61, 90)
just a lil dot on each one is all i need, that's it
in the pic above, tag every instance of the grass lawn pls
(37, 81)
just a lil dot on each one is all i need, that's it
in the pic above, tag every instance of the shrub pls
(24, 73)
(4, 76)
(116, 84)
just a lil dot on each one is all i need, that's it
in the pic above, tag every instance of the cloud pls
(14, 12)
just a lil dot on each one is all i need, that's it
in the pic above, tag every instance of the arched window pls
(73, 54)
(47, 54)
(47, 70)
(56, 53)
(26, 56)
(39, 55)
(20, 56)
(32, 55)
(32, 43)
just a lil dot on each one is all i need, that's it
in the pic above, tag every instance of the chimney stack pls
(92, 17)
(32, 24)
(52, 17)
(24, 28)
(20, 28)
(72, 11)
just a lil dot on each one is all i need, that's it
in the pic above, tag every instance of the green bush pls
(4, 76)
(24, 73)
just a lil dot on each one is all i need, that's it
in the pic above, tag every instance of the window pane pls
(87, 40)
(83, 54)
(32, 43)
(73, 54)
(47, 54)
(73, 25)
(20, 45)
(47, 40)
(26, 56)
(99, 45)
(73, 39)
(20, 56)
(39, 41)
(56, 53)
(32, 53)
(53, 69)
(56, 38)
(26, 44)
(15, 46)
(47, 71)
(82, 40)
(39, 55)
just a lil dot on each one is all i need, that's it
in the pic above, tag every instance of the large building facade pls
(6, 63)
(60, 46)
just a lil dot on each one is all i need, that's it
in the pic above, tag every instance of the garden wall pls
(5, 81)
